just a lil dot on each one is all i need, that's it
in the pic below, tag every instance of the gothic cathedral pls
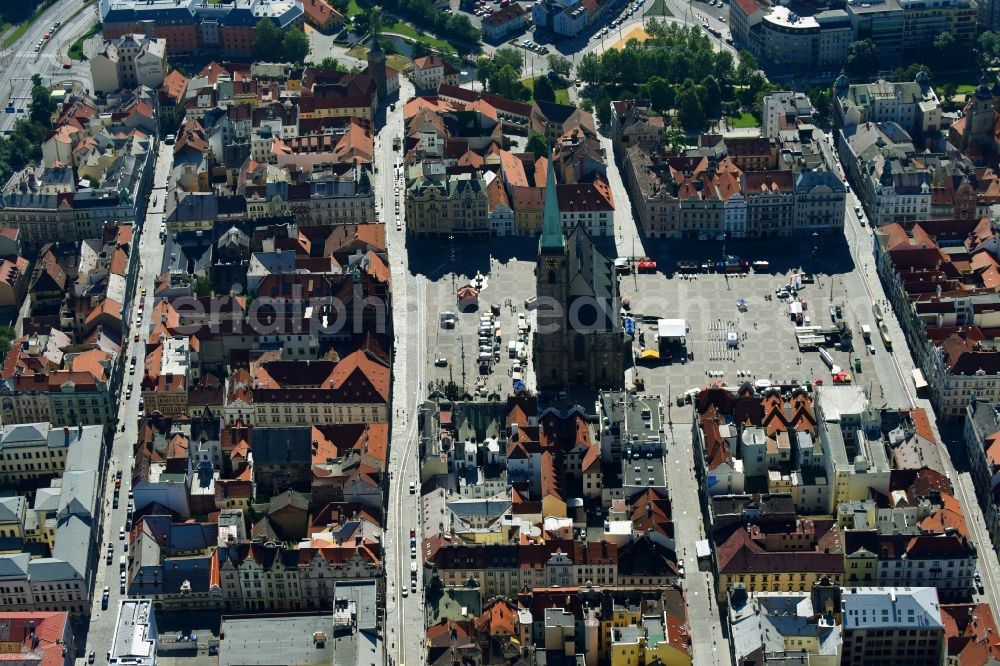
(578, 338)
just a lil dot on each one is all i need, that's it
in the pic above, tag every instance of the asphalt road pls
(20, 62)
(404, 615)
(151, 255)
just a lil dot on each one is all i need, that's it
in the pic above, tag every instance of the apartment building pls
(352, 390)
(68, 515)
(735, 188)
(945, 310)
(127, 62)
(456, 205)
(191, 26)
(912, 105)
(891, 625)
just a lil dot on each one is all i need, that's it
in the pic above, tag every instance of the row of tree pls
(24, 143)
(501, 74)
(673, 52)
(676, 69)
(19, 12)
(271, 44)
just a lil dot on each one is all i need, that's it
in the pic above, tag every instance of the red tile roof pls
(49, 629)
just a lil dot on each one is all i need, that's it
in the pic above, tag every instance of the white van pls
(123, 563)
(512, 349)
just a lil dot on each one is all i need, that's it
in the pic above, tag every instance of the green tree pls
(375, 21)
(267, 41)
(944, 44)
(294, 46)
(603, 109)
(202, 287)
(689, 112)
(711, 96)
(42, 104)
(485, 69)
(909, 73)
(822, 101)
(724, 67)
(674, 139)
(508, 56)
(560, 65)
(420, 50)
(340, 5)
(538, 145)
(948, 91)
(988, 49)
(329, 64)
(7, 335)
(589, 69)
(507, 82)
(544, 91)
(862, 58)
(660, 93)
(747, 66)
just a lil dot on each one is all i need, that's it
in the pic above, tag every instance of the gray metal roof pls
(48, 569)
(12, 508)
(289, 639)
(891, 607)
(14, 566)
(74, 536)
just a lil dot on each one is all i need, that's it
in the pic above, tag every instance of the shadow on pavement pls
(824, 254)
(433, 258)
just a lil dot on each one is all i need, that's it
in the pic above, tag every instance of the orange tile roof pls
(949, 516)
(970, 634)
(174, 85)
(50, 630)
(91, 362)
(498, 618)
(320, 12)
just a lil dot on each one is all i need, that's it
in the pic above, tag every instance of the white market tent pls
(673, 329)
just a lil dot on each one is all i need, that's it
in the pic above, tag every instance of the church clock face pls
(552, 262)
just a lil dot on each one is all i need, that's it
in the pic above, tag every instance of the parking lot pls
(506, 279)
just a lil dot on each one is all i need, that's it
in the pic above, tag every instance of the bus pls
(919, 383)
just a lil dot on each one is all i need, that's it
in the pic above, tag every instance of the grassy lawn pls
(360, 52)
(407, 30)
(965, 82)
(398, 62)
(76, 49)
(562, 94)
(743, 121)
(659, 8)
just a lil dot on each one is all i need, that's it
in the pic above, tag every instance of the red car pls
(413, 533)
(646, 266)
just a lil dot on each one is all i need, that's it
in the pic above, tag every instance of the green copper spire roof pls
(552, 234)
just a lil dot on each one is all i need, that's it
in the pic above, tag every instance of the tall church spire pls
(552, 233)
